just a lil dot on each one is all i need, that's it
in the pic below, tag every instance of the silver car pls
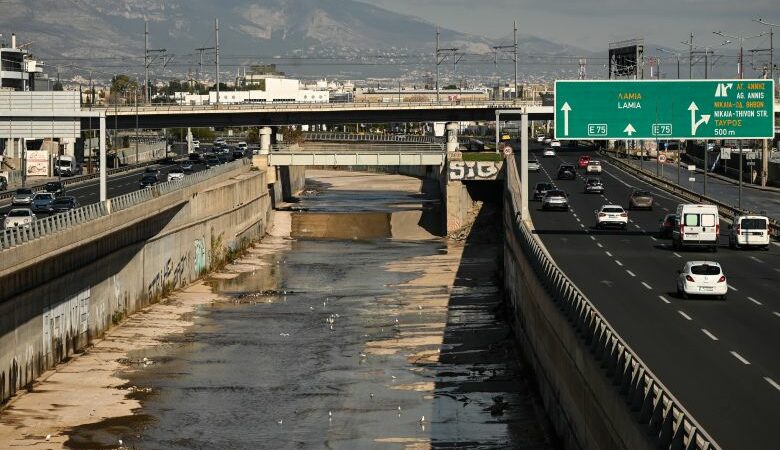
(555, 199)
(22, 197)
(534, 166)
(42, 201)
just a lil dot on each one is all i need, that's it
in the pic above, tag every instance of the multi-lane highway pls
(119, 184)
(721, 359)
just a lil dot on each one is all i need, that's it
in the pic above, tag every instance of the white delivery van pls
(698, 226)
(749, 231)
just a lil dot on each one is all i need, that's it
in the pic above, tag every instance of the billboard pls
(626, 59)
(37, 163)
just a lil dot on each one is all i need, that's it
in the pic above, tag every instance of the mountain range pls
(307, 37)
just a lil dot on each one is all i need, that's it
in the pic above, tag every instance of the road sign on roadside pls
(691, 167)
(661, 158)
(725, 153)
(669, 109)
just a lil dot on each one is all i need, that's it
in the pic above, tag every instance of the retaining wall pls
(68, 289)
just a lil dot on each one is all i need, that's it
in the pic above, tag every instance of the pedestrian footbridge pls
(362, 155)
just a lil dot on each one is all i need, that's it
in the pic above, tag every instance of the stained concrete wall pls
(82, 281)
(583, 405)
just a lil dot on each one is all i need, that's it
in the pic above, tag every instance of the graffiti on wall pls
(200, 257)
(64, 324)
(474, 170)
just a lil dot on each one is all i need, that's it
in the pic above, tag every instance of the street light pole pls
(517, 93)
(765, 149)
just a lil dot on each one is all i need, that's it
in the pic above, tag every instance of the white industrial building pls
(276, 90)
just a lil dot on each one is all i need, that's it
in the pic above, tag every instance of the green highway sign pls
(664, 109)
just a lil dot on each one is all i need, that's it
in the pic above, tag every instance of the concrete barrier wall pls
(179, 237)
(584, 406)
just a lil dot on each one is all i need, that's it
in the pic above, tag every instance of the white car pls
(19, 217)
(196, 144)
(534, 166)
(611, 215)
(749, 231)
(547, 140)
(555, 143)
(242, 146)
(702, 278)
(549, 152)
(593, 167)
(540, 139)
(176, 173)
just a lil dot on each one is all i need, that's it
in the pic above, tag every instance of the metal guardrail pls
(125, 110)
(659, 412)
(352, 137)
(724, 209)
(53, 224)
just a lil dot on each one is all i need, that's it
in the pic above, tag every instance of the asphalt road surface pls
(719, 358)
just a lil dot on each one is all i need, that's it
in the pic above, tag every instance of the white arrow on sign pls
(630, 130)
(705, 118)
(566, 108)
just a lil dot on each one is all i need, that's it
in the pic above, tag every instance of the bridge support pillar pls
(452, 137)
(265, 140)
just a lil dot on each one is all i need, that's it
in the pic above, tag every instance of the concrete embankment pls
(584, 406)
(62, 291)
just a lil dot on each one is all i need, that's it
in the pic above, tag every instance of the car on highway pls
(555, 143)
(54, 187)
(176, 173)
(749, 231)
(582, 162)
(238, 154)
(152, 170)
(194, 157)
(243, 146)
(547, 140)
(19, 217)
(224, 159)
(702, 278)
(41, 202)
(22, 197)
(611, 216)
(566, 172)
(639, 199)
(698, 226)
(187, 166)
(548, 152)
(212, 161)
(534, 166)
(541, 189)
(555, 199)
(64, 204)
(594, 186)
(666, 226)
(148, 180)
(196, 144)
(3, 184)
(540, 139)
(219, 141)
(593, 167)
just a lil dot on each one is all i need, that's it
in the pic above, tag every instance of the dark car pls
(194, 157)
(187, 166)
(212, 161)
(666, 226)
(152, 170)
(224, 159)
(640, 200)
(594, 186)
(54, 187)
(238, 154)
(148, 180)
(541, 189)
(3, 184)
(566, 172)
(64, 204)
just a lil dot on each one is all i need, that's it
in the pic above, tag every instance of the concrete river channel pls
(354, 325)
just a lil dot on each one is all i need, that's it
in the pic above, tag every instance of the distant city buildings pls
(270, 90)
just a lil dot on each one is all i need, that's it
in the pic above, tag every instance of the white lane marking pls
(599, 244)
(756, 260)
(677, 254)
(687, 317)
(654, 239)
(582, 226)
(733, 288)
(773, 383)
(665, 209)
(618, 263)
(664, 299)
(609, 254)
(637, 226)
(776, 313)
(775, 243)
(709, 335)
(647, 286)
(740, 358)
(630, 273)
(755, 301)
(593, 238)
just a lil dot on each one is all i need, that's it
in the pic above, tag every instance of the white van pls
(749, 231)
(698, 226)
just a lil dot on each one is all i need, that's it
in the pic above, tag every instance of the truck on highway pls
(66, 166)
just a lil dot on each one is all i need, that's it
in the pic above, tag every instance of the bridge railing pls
(659, 412)
(370, 147)
(58, 222)
(368, 137)
(131, 110)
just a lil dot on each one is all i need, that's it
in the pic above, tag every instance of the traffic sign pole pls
(741, 152)
(706, 164)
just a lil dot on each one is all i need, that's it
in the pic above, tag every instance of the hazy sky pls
(591, 24)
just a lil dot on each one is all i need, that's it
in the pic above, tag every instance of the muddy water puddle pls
(351, 344)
